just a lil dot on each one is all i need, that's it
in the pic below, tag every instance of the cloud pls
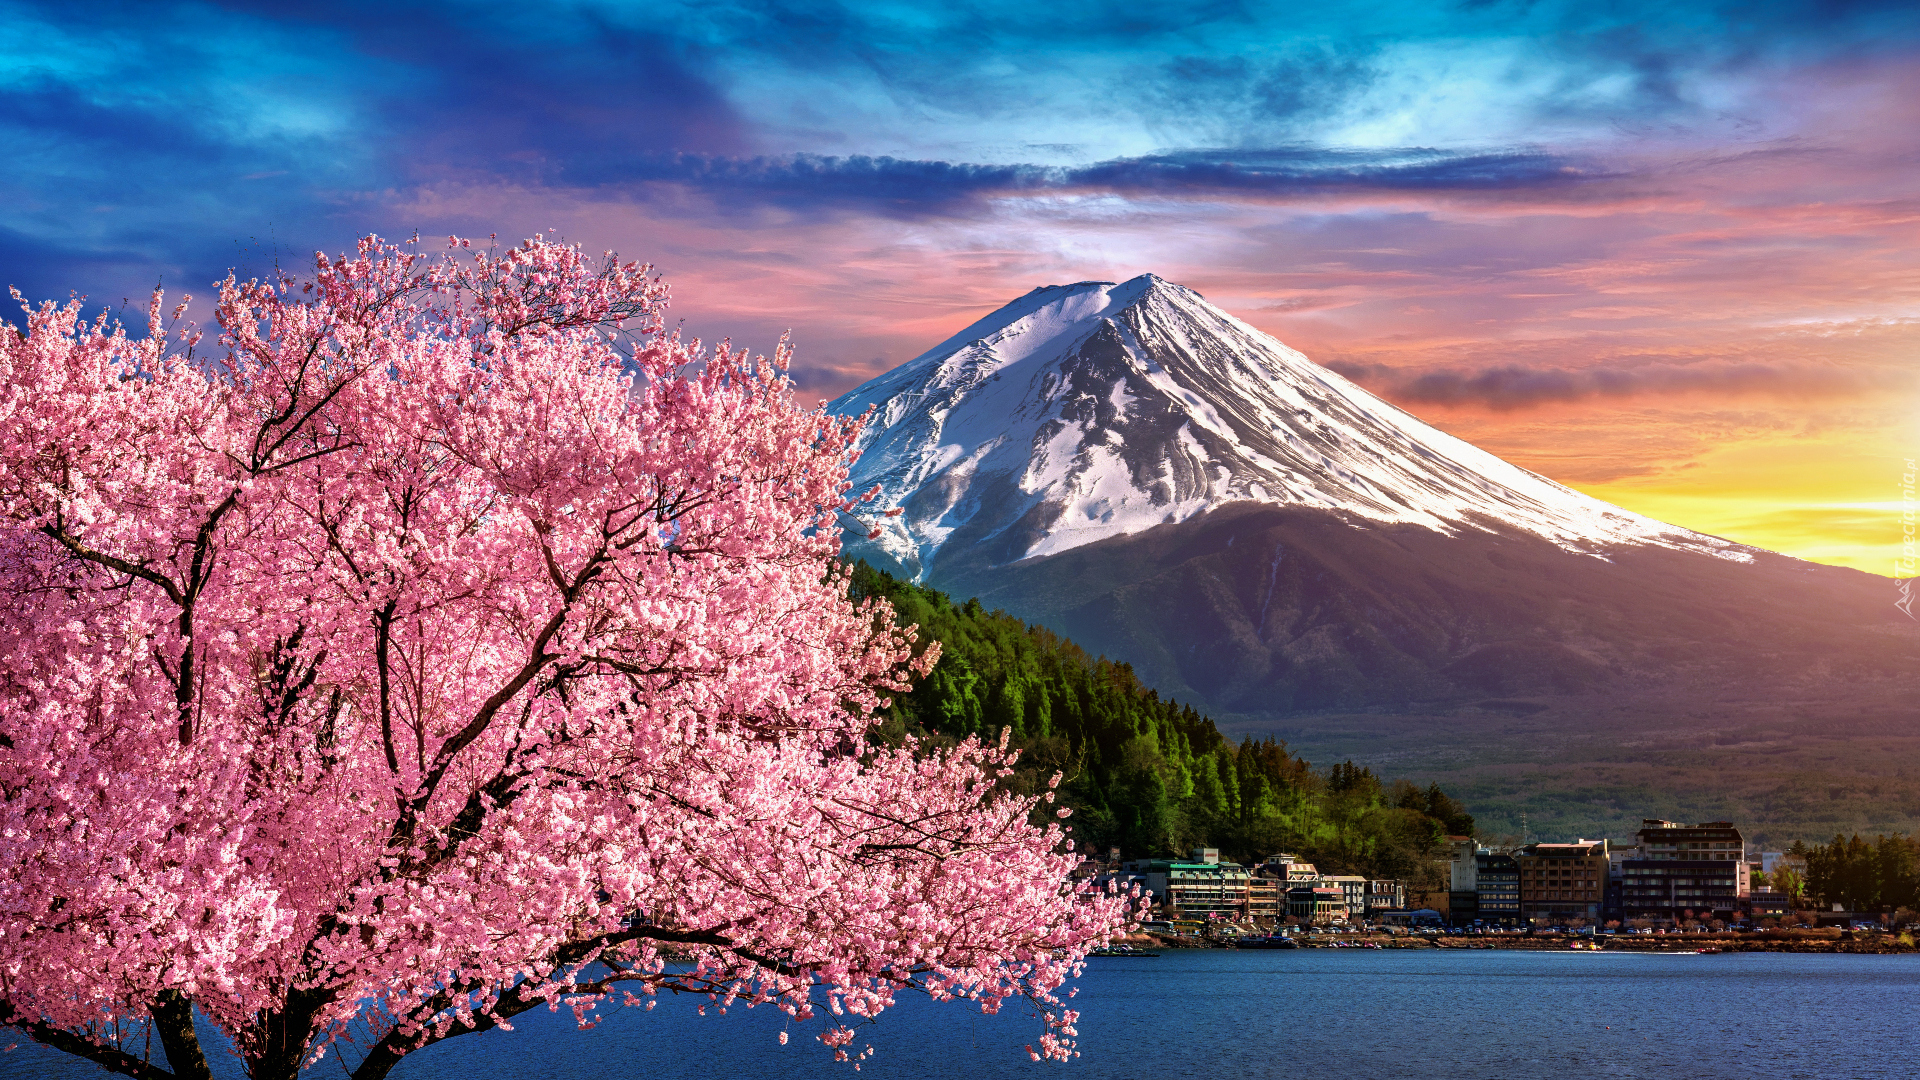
(831, 377)
(908, 188)
(149, 140)
(1506, 388)
(489, 103)
(1308, 169)
(1250, 100)
(50, 271)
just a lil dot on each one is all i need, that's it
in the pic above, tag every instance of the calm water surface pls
(1352, 1014)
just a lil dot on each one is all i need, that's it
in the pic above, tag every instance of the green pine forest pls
(1864, 876)
(1151, 776)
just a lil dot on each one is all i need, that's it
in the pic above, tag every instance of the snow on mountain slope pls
(1084, 411)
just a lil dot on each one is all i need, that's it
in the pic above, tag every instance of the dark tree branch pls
(382, 646)
(537, 659)
(387, 1053)
(263, 451)
(111, 1058)
(138, 570)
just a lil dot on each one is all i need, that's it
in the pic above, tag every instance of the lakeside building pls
(1675, 872)
(1415, 917)
(1685, 871)
(1714, 841)
(1768, 903)
(1496, 894)
(1353, 890)
(1673, 891)
(1266, 897)
(1616, 881)
(1093, 866)
(1317, 904)
(1202, 888)
(1463, 908)
(1463, 868)
(1560, 883)
(1291, 868)
(1385, 894)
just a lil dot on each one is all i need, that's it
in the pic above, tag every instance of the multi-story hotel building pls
(1562, 882)
(1496, 889)
(1202, 888)
(1353, 889)
(1266, 897)
(1685, 871)
(1462, 870)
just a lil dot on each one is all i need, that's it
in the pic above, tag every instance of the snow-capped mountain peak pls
(1080, 412)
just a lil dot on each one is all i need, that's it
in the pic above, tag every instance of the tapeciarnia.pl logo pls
(1903, 566)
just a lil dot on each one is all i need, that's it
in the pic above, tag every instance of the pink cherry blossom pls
(452, 639)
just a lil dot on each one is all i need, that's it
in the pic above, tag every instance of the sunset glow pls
(1667, 255)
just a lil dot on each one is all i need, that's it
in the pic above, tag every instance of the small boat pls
(1271, 941)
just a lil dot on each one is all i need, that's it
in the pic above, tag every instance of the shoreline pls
(1776, 941)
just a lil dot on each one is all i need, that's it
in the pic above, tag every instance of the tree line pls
(1883, 874)
(1147, 775)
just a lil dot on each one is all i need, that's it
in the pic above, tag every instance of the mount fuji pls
(1094, 410)
(1142, 472)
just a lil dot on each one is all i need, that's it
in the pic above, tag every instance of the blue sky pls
(1610, 240)
(160, 136)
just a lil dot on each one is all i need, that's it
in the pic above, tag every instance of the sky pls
(1666, 253)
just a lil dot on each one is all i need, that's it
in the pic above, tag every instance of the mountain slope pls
(1256, 609)
(1087, 411)
(1130, 467)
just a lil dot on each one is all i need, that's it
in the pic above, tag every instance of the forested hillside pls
(1151, 776)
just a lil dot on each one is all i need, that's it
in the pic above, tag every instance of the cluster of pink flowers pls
(452, 639)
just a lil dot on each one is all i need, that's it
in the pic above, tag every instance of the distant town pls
(1674, 876)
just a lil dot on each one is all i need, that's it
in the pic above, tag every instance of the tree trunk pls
(173, 1022)
(284, 1037)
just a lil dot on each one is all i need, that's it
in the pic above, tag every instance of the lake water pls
(1351, 1014)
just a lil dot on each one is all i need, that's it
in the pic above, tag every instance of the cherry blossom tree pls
(445, 639)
